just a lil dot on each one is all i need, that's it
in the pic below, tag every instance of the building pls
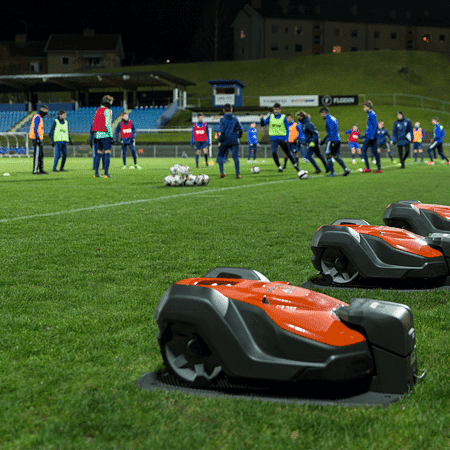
(62, 53)
(68, 53)
(288, 30)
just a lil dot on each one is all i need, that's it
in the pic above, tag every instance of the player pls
(353, 144)
(311, 140)
(402, 134)
(370, 138)
(59, 135)
(252, 138)
(436, 142)
(279, 135)
(200, 139)
(229, 132)
(382, 143)
(127, 132)
(333, 140)
(103, 134)
(293, 142)
(36, 134)
(418, 136)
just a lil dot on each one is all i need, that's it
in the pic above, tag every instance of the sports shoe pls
(318, 171)
(97, 175)
(430, 163)
(222, 175)
(249, 160)
(366, 170)
(332, 174)
(107, 176)
(137, 166)
(447, 163)
(346, 172)
(238, 177)
(378, 171)
(124, 167)
(280, 169)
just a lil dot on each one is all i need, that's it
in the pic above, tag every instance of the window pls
(286, 47)
(94, 62)
(442, 38)
(286, 29)
(318, 27)
(318, 39)
(298, 30)
(274, 47)
(65, 61)
(338, 32)
(35, 67)
(242, 51)
(298, 48)
(354, 49)
(394, 35)
(354, 33)
(410, 45)
(274, 28)
(376, 34)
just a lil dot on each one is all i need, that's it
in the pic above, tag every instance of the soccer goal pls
(14, 144)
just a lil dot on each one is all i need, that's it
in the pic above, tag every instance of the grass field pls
(86, 260)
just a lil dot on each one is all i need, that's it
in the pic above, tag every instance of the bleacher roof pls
(85, 81)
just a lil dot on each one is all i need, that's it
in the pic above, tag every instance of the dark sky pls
(161, 29)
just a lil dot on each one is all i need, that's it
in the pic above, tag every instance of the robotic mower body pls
(235, 323)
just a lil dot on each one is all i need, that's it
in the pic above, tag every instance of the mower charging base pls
(305, 393)
(319, 282)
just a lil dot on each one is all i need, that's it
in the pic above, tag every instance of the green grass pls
(86, 261)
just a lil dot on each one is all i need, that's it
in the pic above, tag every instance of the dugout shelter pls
(88, 88)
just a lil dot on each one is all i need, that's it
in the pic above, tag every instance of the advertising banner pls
(301, 101)
(338, 100)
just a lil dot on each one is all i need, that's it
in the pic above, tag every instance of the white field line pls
(133, 202)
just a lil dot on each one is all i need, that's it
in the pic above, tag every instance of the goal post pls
(14, 144)
(176, 135)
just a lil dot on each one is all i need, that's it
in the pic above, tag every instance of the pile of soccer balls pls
(180, 175)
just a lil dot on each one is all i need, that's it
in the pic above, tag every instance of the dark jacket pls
(230, 130)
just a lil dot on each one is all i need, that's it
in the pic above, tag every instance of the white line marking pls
(112, 205)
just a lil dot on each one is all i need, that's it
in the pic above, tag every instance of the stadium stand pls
(80, 121)
(145, 118)
(9, 118)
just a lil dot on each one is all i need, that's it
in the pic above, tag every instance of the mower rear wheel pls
(336, 267)
(186, 355)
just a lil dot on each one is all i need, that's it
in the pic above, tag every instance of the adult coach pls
(370, 138)
(229, 132)
(36, 134)
(333, 140)
(103, 134)
(127, 133)
(402, 135)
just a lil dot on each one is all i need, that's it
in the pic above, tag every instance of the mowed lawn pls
(86, 261)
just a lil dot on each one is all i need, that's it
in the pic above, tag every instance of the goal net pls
(14, 144)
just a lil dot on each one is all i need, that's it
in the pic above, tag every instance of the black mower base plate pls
(305, 393)
(381, 284)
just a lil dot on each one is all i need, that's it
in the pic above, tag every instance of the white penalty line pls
(133, 202)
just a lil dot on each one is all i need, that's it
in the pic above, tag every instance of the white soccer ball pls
(205, 180)
(199, 180)
(255, 169)
(6, 174)
(184, 170)
(190, 180)
(174, 169)
(168, 180)
(179, 180)
(303, 174)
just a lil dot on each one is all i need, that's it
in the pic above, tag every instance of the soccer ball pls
(190, 180)
(199, 180)
(168, 180)
(202, 180)
(184, 170)
(178, 180)
(255, 169)
(303, 174)
(174, 169)
(131, 167)
(205, 180)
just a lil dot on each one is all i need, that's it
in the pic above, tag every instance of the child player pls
(418, 136)
(127, 132)
(278, 132)
(200, 139)
(59, 135)
(353, 144)
(103, 134)
(293, 141)
(252, 138)
(382, 141)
